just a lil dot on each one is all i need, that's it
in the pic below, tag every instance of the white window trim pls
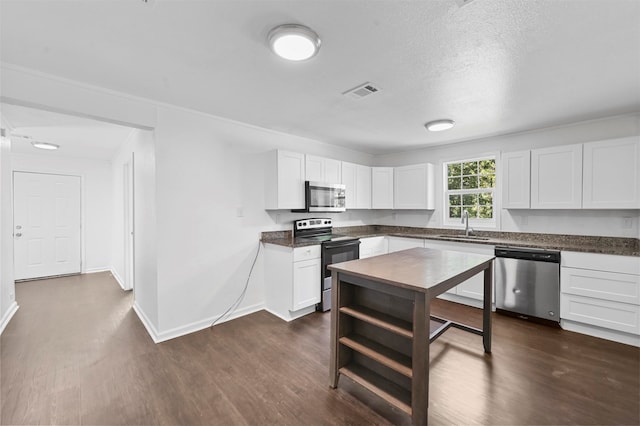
(476, 224)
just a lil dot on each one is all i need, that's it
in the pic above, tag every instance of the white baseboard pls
(293, 316)
(118, 279)
(145, 321)
(602, 333)
(205, 323)
(13, 308)
(96, 270)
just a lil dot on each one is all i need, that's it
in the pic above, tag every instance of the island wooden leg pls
(335, 326)
(420, 360)
(486, 309)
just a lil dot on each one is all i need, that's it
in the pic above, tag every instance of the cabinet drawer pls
(602, 285)
(603, 313)
(305, 253)
(601, 262)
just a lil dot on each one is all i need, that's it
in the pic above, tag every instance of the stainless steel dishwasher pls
(528, 283)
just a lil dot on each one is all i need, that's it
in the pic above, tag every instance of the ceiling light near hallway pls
(45, 145)
(439, 125)
(294, 42)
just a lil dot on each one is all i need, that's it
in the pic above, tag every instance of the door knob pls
(19, 234)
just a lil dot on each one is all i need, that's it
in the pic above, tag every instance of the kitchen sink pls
(464, 237)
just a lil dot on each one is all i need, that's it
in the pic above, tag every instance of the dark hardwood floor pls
(76, 353)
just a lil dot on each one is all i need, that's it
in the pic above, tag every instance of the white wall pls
(96, 199)
(8, 304)
(210, 172)
(578, 222)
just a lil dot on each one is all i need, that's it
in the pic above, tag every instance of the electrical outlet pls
(524, 220)
(278, 218)
(627, 223)
(239, 212)
(11, 297)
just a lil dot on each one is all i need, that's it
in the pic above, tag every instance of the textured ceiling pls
(493, 66)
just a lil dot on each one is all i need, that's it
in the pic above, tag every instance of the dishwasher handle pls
(535, 255)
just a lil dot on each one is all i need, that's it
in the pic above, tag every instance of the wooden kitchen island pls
(381, 325)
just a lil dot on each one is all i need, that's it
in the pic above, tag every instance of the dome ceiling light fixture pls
(45, 145)
(294, 42)
(439, 125)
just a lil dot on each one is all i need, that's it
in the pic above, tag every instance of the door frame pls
(128, 187)
(82, 207)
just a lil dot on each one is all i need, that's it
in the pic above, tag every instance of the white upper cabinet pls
(556, 177)
(516, 180)
(612, 174)
(320, 169)
(357, 181)
(413, 187)
(382, 187)
(284, 180)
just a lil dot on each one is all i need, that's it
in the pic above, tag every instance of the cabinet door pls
(516, 180)
(332, 171)
(413, 187)
(612, 174)
(382, 187)
(556, 177)
(314, 168)
(363, 187)
(401, 243)
(349, 180)
(372, 246)
(306, 283)
(320, 169)
(289, 182)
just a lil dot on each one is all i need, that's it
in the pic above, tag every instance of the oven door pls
(335, 252)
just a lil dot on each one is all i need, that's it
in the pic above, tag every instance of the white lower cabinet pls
(373, 246)
(404, 243)
(292, 280)
(600, 296)
(471, 291)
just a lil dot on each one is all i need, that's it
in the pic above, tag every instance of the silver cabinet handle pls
(19, 234)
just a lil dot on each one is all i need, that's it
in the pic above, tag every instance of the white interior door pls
(46, 225)
(127, 180)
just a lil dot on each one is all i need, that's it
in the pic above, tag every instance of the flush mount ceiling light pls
(45, 145)
(439, 125)
(294, 42)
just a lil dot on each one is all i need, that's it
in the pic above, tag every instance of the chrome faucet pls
(465, 219)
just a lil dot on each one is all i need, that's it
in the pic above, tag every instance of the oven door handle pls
(340, 245)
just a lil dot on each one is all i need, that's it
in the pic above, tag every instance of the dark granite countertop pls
(578, 243)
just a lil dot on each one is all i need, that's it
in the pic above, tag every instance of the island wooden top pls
(418, 269)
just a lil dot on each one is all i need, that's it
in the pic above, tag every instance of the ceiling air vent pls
(463, 2)
(361, 91)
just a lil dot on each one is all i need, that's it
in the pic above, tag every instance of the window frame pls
(477, 223)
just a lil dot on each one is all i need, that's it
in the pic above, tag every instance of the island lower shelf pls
(395, 394)
(375, 347)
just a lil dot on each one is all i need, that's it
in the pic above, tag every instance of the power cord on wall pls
(235, 304)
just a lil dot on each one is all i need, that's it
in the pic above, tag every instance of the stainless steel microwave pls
(323, 197)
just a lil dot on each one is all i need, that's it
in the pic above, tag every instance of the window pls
(470, 185)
